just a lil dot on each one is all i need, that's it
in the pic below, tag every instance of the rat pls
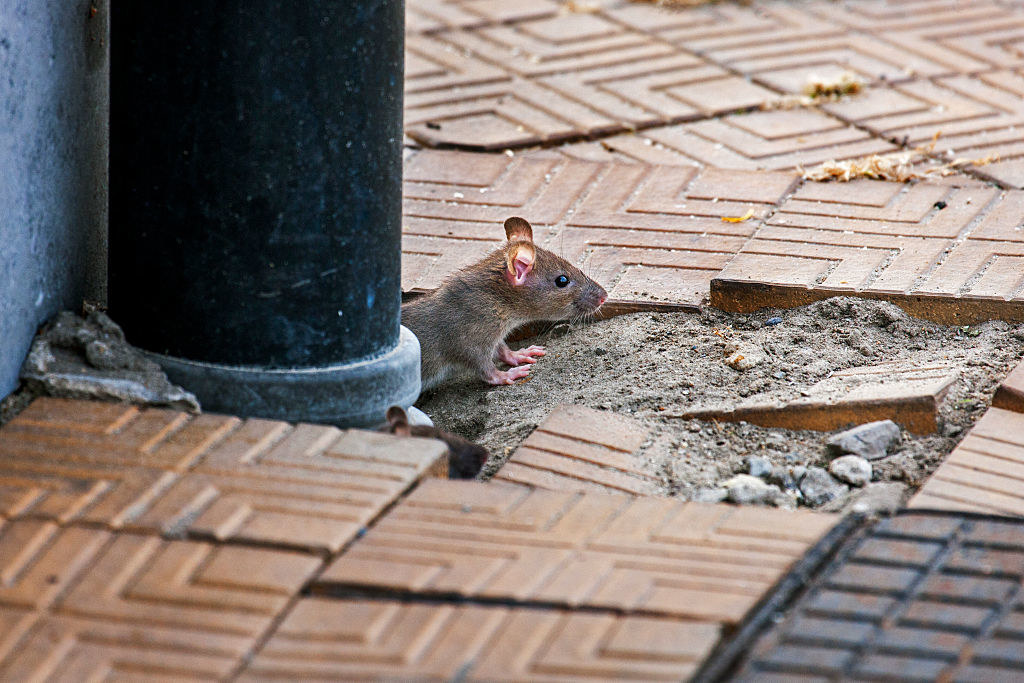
(465, 458)
(463, 324)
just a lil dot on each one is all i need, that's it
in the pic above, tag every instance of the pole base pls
(349, 395)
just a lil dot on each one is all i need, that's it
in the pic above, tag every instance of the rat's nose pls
(601, 299)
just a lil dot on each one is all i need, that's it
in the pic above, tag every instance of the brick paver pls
(580, 449)
(973, 116)
(918, 597)
(651, 555)
(348, 639)
(949, 252)
(908, 394)
(262, 481)
(649, 234)
(83, 601)
(985, 472)
(1010, 394)
(555, 78)
(779, 139)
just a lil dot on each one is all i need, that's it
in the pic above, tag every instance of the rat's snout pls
(593, 298)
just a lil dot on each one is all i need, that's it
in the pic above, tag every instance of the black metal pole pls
(255, 202)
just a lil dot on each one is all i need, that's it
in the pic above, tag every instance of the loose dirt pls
(644, 365)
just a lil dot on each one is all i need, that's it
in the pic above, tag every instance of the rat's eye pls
(561, 281)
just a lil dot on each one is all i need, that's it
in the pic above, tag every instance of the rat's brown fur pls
(463, 324)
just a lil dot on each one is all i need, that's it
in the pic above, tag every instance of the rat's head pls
(549, 287)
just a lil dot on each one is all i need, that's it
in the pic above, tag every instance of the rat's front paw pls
(527, 355)
(507, 376)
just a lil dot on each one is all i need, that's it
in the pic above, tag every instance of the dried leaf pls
(832, 88)
(739, 219)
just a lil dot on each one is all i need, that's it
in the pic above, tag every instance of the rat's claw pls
(509, 376)
(521, 356)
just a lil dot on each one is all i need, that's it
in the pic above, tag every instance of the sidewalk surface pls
(143, 543)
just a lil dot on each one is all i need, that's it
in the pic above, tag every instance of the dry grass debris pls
(817, 90)
(895, 166)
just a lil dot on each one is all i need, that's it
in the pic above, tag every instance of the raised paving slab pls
(1010, 394)
(984, 473)
(351, 638)
(645, 555)
(915, 597)
(907, 394)
(577, 448)
(648, 234)
(952, 252)
(260, 481)
(83, 601)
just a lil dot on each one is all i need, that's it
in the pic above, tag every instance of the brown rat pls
(463, 324)
(465, 458)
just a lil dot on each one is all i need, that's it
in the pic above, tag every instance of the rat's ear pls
(399, 421)
(517, 228)
(521, 256)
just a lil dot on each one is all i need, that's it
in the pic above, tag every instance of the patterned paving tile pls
(348, 639)
(579, 449)
(984, 473)
(651, 234)
(83, 601)
(907, 394)
(973, 116)
(1010, 394)
(259, 481)
(75, 649)
(916, 597)
(780, 139)
(950, 252)
(567, 76)
(651, 555)
(423, 16)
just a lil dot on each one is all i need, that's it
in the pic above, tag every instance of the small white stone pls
(852, 469)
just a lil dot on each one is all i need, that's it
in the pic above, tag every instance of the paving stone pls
(960, 264)
(973, 116)
(76, 649)
(773, 140)
(648, 234)
(93, 432)
(653, 555)
(307, 486)
(348, 639)
(39, 560)
(188, 584)
(947, 615)
(555, 78)
(1010, 394)
(432, 15)
(303, 486)
(907, 394)
(580, 449)
(984, 473)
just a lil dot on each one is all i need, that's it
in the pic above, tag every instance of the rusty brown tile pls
(261, 481)
(553, 78)
(577, 448)
(968, 116)
(760, 140)
(984, 473)
(93, 432)
(907, 394)
(346, 639)
(652, 555)
(71, 648)
(1010, 394)
(39, 560)
(648, 234)
(305, 486)
(949, 252)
